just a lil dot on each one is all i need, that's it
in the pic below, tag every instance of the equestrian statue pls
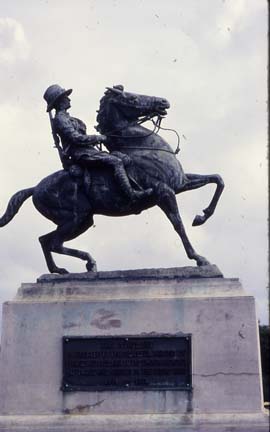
(139, 170)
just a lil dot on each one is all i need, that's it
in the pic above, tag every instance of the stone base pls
(219, 316)
(252, 422)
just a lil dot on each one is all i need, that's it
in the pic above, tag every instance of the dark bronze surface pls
(126, 363)
(138, 170)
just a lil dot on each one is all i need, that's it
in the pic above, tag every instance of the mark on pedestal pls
(227, 374)
(105, 319)
(241, 334)
(82, 409)
(70, 325)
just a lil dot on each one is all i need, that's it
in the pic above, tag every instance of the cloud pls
(14, 45)
(231, 18)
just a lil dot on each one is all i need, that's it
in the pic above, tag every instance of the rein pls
(157, 127)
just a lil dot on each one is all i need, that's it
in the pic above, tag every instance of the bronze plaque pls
(126, 363)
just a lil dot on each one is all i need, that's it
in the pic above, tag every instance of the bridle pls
(157, 127)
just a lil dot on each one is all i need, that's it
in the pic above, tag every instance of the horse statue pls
(70, 201)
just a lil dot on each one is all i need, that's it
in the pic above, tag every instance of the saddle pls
(82, 176)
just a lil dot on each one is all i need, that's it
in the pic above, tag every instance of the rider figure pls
(79, 146)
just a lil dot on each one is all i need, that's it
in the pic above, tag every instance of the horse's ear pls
(116, 89)
(119, 87)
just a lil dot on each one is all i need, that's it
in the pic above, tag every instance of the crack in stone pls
(82, 409)
(227, 374)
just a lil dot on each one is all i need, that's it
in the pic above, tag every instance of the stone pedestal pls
(215, 311)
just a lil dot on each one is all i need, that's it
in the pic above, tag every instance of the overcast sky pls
(208, 58)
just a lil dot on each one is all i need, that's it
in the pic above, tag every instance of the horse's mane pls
(102, 116)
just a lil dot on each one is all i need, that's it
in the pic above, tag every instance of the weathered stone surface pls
(141, 423)
(208, 271)
(124, 290)
(226, 376)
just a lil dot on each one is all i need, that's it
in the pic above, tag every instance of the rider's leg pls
(120, 173)
(122, 179)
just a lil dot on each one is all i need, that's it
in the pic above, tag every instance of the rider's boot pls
(123, 181)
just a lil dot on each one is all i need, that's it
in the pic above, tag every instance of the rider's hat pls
(53, 94)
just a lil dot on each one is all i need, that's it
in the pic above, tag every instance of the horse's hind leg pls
(168, 204)
(53, 242)
(46, 242)
(196, 181)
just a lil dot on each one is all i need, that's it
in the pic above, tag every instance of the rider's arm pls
(66, 130)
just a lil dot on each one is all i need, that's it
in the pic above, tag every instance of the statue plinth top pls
(208, 271)
(146, 284)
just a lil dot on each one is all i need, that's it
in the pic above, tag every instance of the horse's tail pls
(14, 205)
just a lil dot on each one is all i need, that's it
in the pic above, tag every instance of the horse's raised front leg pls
(196, 181)
(167, 202)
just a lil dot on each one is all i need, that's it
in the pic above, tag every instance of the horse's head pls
(118, 108)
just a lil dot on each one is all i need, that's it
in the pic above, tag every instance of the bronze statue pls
(72, 196)
(78, 147)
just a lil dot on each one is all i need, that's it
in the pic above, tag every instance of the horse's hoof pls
(198, 220)
(201, 261)
(60, 271)
(91, 267)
